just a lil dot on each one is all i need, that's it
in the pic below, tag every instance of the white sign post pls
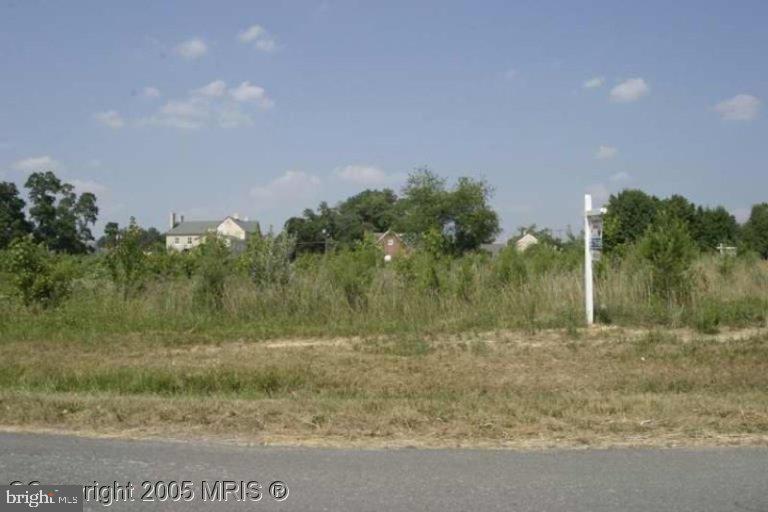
(593, 246)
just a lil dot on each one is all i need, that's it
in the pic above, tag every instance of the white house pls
(525, 242)
(185, 235)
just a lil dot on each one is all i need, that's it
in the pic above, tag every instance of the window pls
(189, 240)
(391, 242)
(176, 240)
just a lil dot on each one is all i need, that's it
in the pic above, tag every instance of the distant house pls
(185, 235)
(391, 243)
(525, 241)
(521, 244)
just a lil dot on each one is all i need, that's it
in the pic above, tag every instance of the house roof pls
(201, 227)
(379, 236)
(194, 227)
(250, 226)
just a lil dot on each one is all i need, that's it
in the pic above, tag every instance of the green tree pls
(714, 226)
(629, 214)
(62, 218)
(756, 229)
(681, 208)
(669, 250)
(111, 236)
(13, 221)
(462, 214)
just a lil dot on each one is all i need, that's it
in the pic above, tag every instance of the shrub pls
(669, 250)
(126, 262)
(352, 271)
(37, 278)
(212, 257)
(268, 259)
(509, 268)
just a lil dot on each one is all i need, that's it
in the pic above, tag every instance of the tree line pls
(632, 213)
(455, 218)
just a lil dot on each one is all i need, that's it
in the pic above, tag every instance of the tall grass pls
(354, 293)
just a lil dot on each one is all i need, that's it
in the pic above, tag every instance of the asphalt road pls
(402, 480)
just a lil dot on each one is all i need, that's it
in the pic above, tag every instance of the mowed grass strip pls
(496, 389)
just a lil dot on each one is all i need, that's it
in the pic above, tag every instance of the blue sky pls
(266, 108)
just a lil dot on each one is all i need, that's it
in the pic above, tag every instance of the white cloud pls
(593, 83)
(620, 177)
(252, 33)
(212, 105)
(151, 92)
(290, 186)
(362, 174)
(742, 107)
(260, 38)
(215, 89)
(630, 90)
(186, 114)
(110, 118)
(245, 92)
(36, 163)
(606, 152)
(191, 49)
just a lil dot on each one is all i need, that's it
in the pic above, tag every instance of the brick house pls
(391, 243)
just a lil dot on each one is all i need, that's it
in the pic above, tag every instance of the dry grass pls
(551, 388)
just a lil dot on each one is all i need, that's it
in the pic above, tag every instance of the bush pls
(669, 250)
(212, 257)
(268, 259)
(509, 268)
(126, 261)
(37, 277)
(352, 271)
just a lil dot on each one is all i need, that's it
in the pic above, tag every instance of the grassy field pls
(609, 386)
(335, 297)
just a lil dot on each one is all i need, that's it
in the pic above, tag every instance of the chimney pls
(182, 220)
(172, 220)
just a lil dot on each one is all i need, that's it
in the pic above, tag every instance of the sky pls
(267, 108)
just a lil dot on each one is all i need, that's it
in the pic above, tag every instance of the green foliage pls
(714, 226)
(509, 268)
(756, 230)
(629, 215)
(461, 215)
(669, 250)
(37, 278)
(62, 219)
(13, 221)
(267, 260)
(352, 271)
(127, 261)
(212, 259)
